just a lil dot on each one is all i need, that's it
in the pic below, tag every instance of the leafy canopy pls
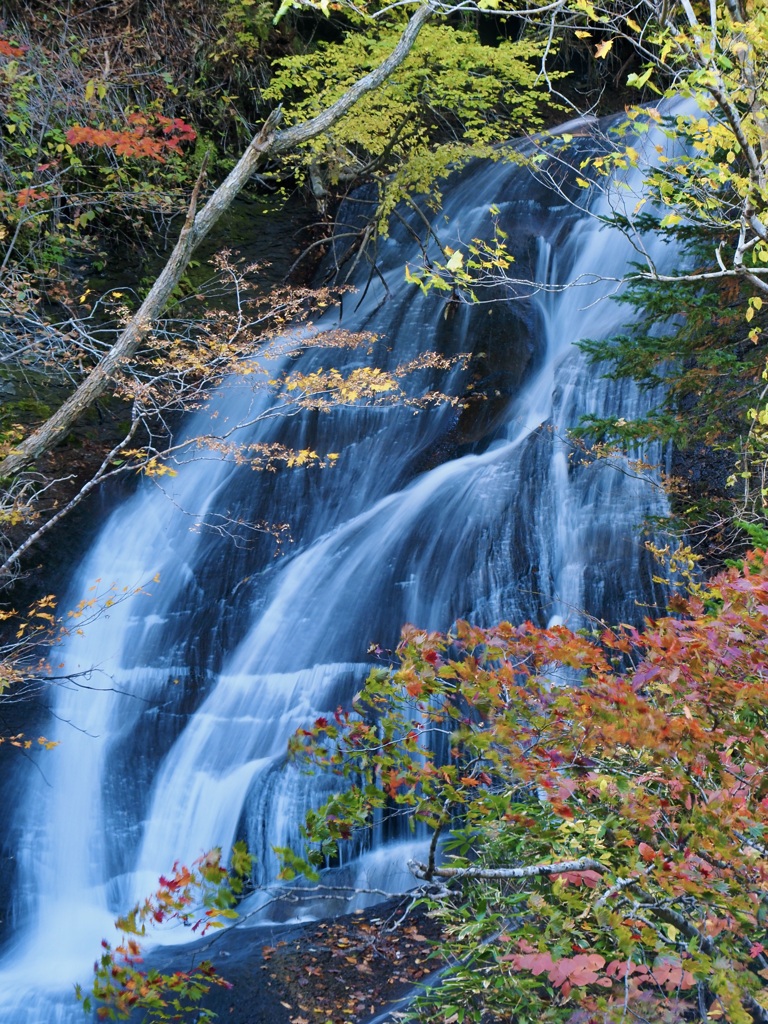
(448, 102)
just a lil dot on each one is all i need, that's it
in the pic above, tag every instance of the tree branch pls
(421, 871)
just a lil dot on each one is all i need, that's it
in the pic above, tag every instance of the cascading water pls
(194, 690)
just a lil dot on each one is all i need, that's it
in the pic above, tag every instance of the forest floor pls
(347, 970)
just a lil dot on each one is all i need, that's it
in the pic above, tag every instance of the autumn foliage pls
(597, 806)
(200, 897)
(148, 135)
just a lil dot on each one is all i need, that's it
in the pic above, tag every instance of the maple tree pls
(150, 135)
(61, 200)
(597, 805)
(341, 968)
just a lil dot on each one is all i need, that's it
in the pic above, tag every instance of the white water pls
(234, 650)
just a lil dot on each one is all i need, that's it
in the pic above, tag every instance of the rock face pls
(503, 358)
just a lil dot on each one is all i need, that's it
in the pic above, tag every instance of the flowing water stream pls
(178, 743)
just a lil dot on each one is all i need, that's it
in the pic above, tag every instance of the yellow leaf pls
(602, 49)
(455, 262)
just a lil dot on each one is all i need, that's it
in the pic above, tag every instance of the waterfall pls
(196, 683)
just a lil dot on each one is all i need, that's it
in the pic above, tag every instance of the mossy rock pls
(24, 411)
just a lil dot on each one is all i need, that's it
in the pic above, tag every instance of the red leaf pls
(8, 50)
(576, 970)
(621, 969)
(589, 878)
(669, 973)
(536, 963)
